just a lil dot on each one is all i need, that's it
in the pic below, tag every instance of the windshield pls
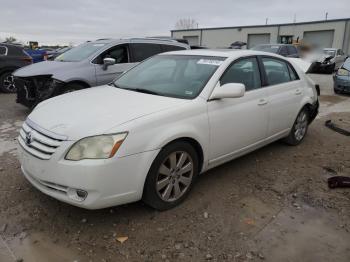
(329, 52)
(80, 52)
(180, 76)
(267, 48)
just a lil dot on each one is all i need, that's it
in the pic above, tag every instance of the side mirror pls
(229, 90)
(108, 62)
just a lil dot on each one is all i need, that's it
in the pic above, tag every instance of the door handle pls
(298, 92)
(262, 102)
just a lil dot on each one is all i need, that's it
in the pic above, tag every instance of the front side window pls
(80, 52)
(119, 53)
(277, 71)
(283, 51)
(245, 71)
(142, 51)
(180, 76)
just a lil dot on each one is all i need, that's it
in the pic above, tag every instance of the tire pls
(71, 88)
(166, 186)
(7, 84)
(299, 129)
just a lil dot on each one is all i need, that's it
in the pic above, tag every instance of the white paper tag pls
(209, 62)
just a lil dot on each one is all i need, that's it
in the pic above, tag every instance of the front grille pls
(37, 142)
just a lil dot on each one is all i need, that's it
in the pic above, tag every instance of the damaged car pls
(326, 61)
(90, 64)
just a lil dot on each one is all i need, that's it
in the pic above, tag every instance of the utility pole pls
(326, 16)
(267, 19)
(295, 18)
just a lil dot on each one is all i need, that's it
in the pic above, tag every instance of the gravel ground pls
(271, 205)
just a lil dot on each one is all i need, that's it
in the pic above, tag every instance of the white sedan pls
(151, 132)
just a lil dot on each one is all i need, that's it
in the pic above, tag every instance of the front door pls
(238, 123)
(121, 55)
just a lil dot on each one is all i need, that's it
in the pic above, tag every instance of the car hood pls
(96, 110)
(44, 68)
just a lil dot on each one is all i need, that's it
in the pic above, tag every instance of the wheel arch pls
(195, 144)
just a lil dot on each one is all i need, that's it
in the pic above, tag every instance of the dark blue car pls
(342, 78)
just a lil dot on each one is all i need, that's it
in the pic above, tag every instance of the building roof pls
(268, 25)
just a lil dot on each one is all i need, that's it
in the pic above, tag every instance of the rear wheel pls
(299, 129)
(171, 176)
(7, 83)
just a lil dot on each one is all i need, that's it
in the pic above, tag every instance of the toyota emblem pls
(29, 138)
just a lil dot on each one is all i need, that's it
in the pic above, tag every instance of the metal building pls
(328, 33)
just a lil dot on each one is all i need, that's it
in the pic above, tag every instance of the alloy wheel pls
(9, 84)
(301, 126)
(174, 176)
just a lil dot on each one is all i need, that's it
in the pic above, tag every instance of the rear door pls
(121, 54)
(285, 92)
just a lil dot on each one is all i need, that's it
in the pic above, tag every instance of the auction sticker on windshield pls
(209, 62)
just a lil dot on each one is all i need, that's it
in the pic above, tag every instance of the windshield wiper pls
(141, 90)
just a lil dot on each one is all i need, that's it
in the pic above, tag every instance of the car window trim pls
(266, 84)
(237, 60)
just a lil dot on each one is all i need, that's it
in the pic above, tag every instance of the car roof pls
(221, 52)
(330, 49)
(111, 41)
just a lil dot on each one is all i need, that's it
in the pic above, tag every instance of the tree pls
(10, 39)
(186, 23)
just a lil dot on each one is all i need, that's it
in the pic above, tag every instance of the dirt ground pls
(271, 205)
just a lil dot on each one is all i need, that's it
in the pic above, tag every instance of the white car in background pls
(150, 133)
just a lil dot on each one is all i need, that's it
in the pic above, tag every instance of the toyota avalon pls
(150, 133)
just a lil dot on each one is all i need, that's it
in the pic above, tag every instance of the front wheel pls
(299, 129)
(171, 176)
(7, 83)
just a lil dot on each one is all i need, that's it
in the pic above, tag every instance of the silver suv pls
(89, 64)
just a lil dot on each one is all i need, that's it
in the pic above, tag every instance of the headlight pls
(96, 147)
(343, 72)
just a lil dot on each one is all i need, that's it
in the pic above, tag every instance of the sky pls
(75, 21)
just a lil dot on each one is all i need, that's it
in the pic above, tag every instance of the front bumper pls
(108, 182)
(33, 90)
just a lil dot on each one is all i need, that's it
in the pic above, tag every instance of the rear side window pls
(3, 50)
(142, 51)
(245, 71)
(292, 50)
(283, 51)
(293, 75)
(277, 71)
(168, 48)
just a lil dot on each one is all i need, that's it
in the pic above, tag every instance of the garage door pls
(258, 39)
(192, 40)
(321, 39)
